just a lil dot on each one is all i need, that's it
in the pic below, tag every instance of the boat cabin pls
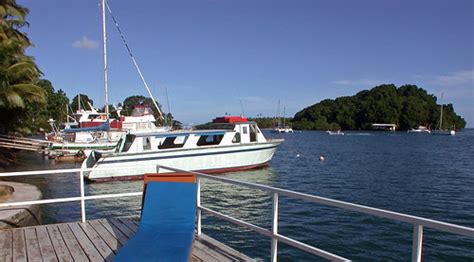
(226, 133)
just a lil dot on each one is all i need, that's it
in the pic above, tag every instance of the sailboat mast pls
(441, 115)
(104, 38)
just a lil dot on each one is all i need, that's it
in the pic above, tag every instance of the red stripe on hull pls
(205, 171)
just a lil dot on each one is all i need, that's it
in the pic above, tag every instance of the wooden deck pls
(95, 240)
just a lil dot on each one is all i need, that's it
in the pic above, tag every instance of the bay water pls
(417, 174)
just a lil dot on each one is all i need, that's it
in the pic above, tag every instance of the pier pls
(94, 240)
(100, 239)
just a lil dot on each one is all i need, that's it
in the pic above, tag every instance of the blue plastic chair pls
(166, 230)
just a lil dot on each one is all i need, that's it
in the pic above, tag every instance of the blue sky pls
(210, 55)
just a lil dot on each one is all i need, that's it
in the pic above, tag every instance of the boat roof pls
(180, 133)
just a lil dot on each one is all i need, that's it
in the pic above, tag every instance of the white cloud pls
(457, 78)
(85, 43)
(359, 82)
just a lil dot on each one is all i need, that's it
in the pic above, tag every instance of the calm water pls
(429, 176)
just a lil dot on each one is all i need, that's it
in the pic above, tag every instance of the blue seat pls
(166, 230)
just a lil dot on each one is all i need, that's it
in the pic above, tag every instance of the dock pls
(94, 240)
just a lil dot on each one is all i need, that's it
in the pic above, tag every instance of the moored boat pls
(233, 144)
(335, 133)
(420, 130)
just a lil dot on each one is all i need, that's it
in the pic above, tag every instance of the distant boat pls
(281, 128)
(335, 133)
(420, 130)
(440, 131)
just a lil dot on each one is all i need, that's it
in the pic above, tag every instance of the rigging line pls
(134, 61)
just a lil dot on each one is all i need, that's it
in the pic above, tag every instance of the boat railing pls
(419, 223)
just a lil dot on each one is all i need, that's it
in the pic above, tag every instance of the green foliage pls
(19, 75)
(85, 101)
(407, 106)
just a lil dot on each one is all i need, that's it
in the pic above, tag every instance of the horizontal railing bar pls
(442, 226)
(258, 229)
(310, 249)
(67, 199)
(268, 233)
(58, 171)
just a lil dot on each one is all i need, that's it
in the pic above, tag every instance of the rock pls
(20, 216)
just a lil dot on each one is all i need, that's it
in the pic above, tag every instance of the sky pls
(214, 56)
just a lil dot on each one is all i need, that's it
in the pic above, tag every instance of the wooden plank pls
(19, 245)
(124, 229)
(32, 247)
(207, 248)
(98, 242)
(86, 244)
(121, 237)
(72, 244)
(45, 245)
(129, 223)
(6, 247)
(108, 237)
(59, 246)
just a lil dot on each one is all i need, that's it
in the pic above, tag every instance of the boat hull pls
(207, 160)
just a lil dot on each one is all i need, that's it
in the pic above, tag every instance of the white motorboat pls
(420, 130)
(283, 130)
(233, 144)
(335, 133)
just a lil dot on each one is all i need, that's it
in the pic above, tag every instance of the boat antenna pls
(242, 107)
(104, 41)
(134, 61)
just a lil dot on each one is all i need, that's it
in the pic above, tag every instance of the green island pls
(407, 106)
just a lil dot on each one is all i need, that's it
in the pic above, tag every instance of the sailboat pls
(281, 128)
(440, 131)
(98, 131)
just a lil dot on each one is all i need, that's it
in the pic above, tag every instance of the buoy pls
(321, 158)
(297, 155)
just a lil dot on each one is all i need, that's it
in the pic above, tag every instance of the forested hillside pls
(407, 106)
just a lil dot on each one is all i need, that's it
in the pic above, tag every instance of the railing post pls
(198, 204)
(83, 204)
(157, 169)
(275, 228)
(417, 243)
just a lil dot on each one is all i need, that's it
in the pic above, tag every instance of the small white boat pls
(420, 130)
(235, 144)
(335, 133)
(282, 130)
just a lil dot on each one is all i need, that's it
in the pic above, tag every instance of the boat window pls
(236, 138)
(207, 140)
(119, 145)
(244, 130)
(253, 133)
(172, 142)
(128, 142)
(146, 143)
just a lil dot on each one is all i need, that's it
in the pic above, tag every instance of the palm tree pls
(18, 72)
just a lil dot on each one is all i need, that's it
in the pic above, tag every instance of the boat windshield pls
(128, 142)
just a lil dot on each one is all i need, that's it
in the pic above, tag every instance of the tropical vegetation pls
(407, 106)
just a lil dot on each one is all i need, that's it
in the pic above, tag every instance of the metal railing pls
(418, 223)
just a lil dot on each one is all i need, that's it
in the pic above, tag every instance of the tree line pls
(408, 106)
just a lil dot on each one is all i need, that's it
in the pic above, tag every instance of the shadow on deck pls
(95, 240)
